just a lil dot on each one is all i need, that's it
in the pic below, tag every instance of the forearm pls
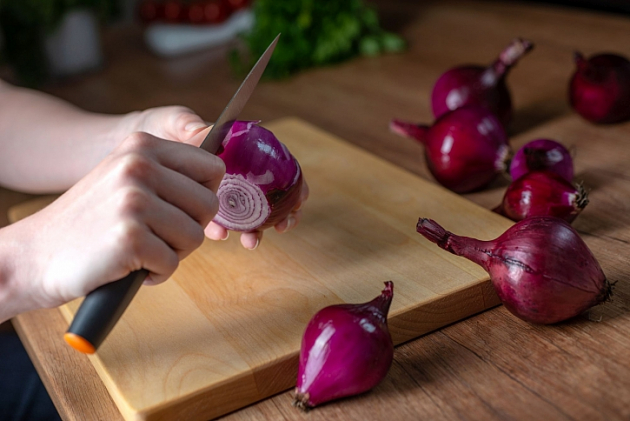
(47, 144)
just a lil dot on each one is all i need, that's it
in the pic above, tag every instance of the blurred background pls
(46, 41)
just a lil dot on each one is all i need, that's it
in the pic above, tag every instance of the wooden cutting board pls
(225, 331)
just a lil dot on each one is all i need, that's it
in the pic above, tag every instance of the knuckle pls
(133, 202)
(135, 167)
(137, 141)
(130, 237)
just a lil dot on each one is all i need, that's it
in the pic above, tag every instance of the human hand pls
(182, 124)
(144, 206)
(177, 123)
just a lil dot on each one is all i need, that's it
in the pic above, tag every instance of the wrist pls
(15, 294)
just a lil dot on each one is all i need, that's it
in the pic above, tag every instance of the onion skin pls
(263, 181)
(479, 85)
(600, 88)
(541, 269)
(465, 149)
(542, 154)
(346, 350)
(543, 193)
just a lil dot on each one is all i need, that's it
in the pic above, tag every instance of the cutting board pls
(225, 330)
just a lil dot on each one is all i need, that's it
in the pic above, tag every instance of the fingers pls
(171, 224)
(295, 216)
(194, 163)
(172, 123)
(216, 232)
(141, 249)
(251, 240)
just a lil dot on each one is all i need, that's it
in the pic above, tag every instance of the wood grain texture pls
(226, 331)
(487, 367)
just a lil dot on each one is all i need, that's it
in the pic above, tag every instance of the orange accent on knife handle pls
(100, 310)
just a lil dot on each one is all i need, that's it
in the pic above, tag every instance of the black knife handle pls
(100, 310)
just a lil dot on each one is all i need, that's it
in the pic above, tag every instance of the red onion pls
(541, 269)
(479, 85)
(346, 350)
(542, 154)
(600, 88)
(543, 193)
(263, 180)
(465, 149)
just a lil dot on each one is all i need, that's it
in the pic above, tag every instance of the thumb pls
(173, 123)
(198, 138)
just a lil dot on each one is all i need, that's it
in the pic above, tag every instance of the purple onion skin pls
(543, 193)
(542, 154)
(479, 85)
(346, 350)
(465, 149)
(541, 269)
(263, 180)
(600, 88)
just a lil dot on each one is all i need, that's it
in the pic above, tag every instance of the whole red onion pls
(542, 154)
(346, 350)
(600, 88)
(479, 85)
(263, 180)
(543, 193)
(465, 149)
(541, 269)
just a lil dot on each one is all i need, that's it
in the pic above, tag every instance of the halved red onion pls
(263, 180)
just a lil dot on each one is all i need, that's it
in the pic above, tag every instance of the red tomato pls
(215, 11)
(238, 4)
(195, 13)
(150, 11)
(174, 10)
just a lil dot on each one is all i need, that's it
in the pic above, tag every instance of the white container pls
(74, 47)
(174, 39)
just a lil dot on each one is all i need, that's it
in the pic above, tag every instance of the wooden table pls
(491, 366)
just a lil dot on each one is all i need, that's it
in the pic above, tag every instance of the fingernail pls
(227, 235)
(195, 126)
(290, 223)
(256, 245)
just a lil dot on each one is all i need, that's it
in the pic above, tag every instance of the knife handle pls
(100, 310)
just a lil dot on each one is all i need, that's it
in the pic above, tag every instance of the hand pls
(182, 125)
(250, 240)
(144, 206)
(176, 123)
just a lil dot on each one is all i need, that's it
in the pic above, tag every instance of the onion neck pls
(383, 301)
(580, 62)
(477, 251)
(506, 60)
(410, 130)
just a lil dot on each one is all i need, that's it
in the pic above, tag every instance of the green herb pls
(314, 33)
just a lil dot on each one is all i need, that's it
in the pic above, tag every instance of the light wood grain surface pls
(225, 331)
(490, 366)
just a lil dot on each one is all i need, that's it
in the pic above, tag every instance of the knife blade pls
(102, 308)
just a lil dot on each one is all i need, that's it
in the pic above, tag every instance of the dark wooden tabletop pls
(491, 366)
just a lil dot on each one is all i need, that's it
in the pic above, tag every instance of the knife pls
(101, 308)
